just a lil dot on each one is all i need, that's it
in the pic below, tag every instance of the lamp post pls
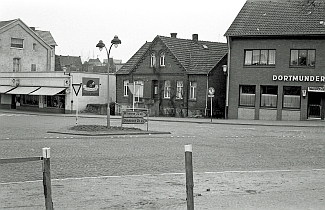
(116, 41)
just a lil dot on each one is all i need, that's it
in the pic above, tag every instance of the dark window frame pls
(299, 61)
(267, 62)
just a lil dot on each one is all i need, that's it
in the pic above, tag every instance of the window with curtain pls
(17, 43)
(247, 95)
(139, 85)
(167, 89)
(162, 59)
(269, 96)
(125, 88)
(193, 87)
(259, 57)
(179, 89)
(291, 97)
(153, 59)
(303, 58)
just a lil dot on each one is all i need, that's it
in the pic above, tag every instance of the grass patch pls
(102, 128)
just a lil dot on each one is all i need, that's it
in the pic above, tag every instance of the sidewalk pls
(307, 123)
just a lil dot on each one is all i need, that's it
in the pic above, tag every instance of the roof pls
(196, 57)
(279, 17)
(46, 36)
(73, 61)
(132, 62)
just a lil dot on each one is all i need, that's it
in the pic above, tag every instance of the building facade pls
(171, 76)
(276, 68)
(29, 82)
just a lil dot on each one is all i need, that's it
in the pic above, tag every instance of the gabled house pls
(68, 63)
(276, 60)
(29, 82)
(172, 77)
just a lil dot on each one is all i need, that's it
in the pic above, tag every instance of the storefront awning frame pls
(5, 88)
(47, 91)
(22, 90)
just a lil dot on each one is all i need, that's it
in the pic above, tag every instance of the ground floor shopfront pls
(279, 100)
(53, 92)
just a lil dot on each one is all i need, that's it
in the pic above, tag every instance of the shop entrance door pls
(13, 101)
(316, 108)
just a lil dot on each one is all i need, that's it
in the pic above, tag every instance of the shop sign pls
(90, 86)
(316, 89)
(293, 78)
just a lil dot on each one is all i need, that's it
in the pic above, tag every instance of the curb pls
(109, 134)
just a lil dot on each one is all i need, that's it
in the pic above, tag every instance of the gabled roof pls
(196, 57)
(47, 37)
(279, 17)
(44, 35)
(73, 61)
(133, 61)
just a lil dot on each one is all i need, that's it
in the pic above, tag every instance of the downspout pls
(206, 96)
(227, 79)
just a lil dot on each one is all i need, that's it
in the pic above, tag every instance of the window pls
(16, 64)
(291, 97)
(33, 67)
(247, 95)
(167, 89)
(302, 57)
(179, 89)
(155, 88)
(153, 59)
(259, 57)
(193, 87)
(125, 88)
(269, 96)
(29, 100)
(34, 46)
(162, 59)
(17, 43)
(138, 90)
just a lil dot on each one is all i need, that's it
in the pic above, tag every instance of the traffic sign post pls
(211, 95)
(76, 89)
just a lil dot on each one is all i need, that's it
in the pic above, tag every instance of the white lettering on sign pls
(292, 78)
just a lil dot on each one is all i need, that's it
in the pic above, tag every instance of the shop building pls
(276, 54)
(29, 82)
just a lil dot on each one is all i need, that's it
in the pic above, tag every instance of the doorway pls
(316, 105)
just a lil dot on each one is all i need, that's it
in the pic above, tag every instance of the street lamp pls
(116, 41)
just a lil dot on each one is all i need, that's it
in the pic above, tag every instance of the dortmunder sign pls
(292, 78)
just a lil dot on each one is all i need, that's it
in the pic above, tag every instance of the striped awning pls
(22, 90)
(47, 91)
(4, 89)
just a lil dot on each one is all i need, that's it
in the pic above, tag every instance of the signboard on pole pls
(135, 116)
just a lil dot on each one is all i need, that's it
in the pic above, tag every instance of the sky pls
(77, 26)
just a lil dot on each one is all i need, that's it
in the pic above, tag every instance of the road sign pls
(211, 91)
(76, 88)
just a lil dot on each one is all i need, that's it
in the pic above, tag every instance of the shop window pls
(247, 95)
(30, 100)
(291, 97)
(269, 96)
(303, 58)
(193, 87)
(56, 101)
(162, 59)
(17, 43)
(153, 60)
(125, 88)
(259, 57)
(167, 89)
(16, 64)
(179, 89)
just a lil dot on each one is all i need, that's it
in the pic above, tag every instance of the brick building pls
(173, 76)
(276, 60)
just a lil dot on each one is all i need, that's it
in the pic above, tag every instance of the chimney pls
(33, 28)
(195, 37)
(174, 35)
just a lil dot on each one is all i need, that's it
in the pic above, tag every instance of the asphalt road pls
(215, 148)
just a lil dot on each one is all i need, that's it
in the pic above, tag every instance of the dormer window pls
(153, 60)
(162, 59)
